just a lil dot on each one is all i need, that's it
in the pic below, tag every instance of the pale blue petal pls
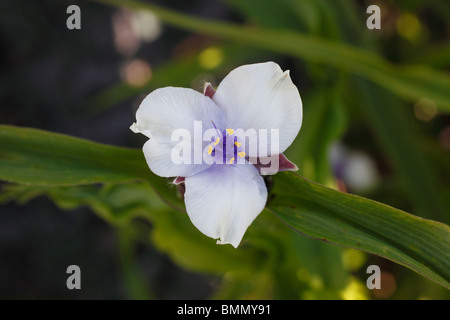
(223, 201)
(169, 110)
(261, 96)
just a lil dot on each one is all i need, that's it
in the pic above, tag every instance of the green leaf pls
(36, 157)
(132, 274)
(409, 82)
(351, 221)
(172, 232)
(267, 13)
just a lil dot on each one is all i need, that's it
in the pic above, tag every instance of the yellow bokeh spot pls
(237, 144)
(355, 290)
(210, 149)
(353, 259)
(217, 141)
(241, 154)
(210, 58)
(316, 282)
(409, 27)
(425, 109)
(230, 131)
(232, 160)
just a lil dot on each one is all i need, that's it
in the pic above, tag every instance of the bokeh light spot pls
(353, 259)
(136, 73)
(388, 286)
(425, 109)
(210, 58)
(409, 27)
(355, 290)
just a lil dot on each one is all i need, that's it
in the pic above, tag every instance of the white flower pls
(223, 198)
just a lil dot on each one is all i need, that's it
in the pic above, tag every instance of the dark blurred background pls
(47, 73)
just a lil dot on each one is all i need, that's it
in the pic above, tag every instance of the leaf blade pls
(32, 156)
(352, 221)
(310, 208)
(37, 157)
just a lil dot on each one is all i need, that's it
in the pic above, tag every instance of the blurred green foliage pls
(360, 87)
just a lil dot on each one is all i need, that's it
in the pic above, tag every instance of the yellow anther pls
(210, 149)
(232, 160)
(230, 131)
(237, 144)
(217, 141)
(241, 154)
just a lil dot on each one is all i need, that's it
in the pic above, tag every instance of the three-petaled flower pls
(223, 196)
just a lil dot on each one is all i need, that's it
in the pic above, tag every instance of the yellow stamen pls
(232, 160)
(217, 141)
(230, 131)
(210, 149)
(237, 144)
(241, 154)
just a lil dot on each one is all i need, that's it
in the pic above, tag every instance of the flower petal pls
(162, 114)
(223, 200)
(160, 162)
(261, 96)
(170, 108)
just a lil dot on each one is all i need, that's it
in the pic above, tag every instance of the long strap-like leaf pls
(352, 221)
(36, 157)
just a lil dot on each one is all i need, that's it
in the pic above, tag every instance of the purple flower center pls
(225, 147)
